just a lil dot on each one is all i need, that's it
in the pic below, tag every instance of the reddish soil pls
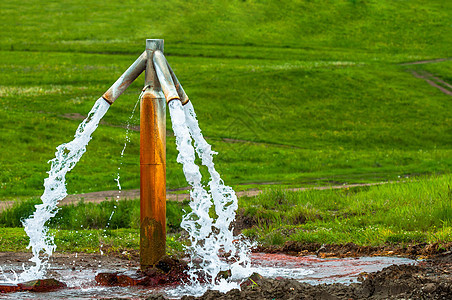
(429, 279)
(167, 271)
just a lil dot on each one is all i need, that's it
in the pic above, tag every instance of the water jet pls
(209, 237)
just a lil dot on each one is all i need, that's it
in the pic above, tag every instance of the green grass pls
(105, 215)
(309, 92)
(87, 227)
(87, 240)
(440, 69)
(415, 27)
(418, 210)
(415, 211)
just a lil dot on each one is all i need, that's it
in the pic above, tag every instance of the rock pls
(42, 285)
(168, 271)
(429, 288)
(107, 279)
(153, 272)
(130, 278)
(167, 263)
(326, 254)
(224, 274)
(9, 288)
(254, 279)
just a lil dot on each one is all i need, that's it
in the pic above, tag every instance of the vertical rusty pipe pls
(126, 79)
(152, 165)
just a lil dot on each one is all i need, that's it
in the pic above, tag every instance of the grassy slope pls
(313, 91)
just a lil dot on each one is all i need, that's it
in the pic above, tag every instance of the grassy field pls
(415, 211)
(301, 93)
(309, 92)
(442, 69)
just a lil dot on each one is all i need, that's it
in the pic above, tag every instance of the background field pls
(290, 93)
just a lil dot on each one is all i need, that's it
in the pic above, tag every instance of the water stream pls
(118, 177)
(66, 157)
(211, 238)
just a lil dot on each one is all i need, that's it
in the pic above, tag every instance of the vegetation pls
(304, 92)
(88, 227)
(87, 240)
(414, 211)
(105, 215)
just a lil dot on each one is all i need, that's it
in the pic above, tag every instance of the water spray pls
(208, 236)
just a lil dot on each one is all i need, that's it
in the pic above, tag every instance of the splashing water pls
(224, 197)
(209, 237)
(66, 157)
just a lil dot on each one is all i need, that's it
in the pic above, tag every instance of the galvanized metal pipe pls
(164, 76)
(152, 164)
(180, 90)
(126, 79)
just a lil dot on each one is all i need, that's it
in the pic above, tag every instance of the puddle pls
(314, 270)
(310, 269)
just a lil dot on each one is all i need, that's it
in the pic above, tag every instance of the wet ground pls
(394, 282)
(427, 278)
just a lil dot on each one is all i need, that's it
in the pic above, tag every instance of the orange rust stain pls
(152, 179)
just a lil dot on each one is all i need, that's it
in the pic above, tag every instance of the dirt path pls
(428, 61)
(434, 81)
(97, 197)
(430, 78)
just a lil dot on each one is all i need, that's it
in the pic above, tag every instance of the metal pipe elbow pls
(126, 79)
(180, 90)
(164, 77)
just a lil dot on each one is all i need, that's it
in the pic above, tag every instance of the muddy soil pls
(394, 282)
(414, 251)
(431, 278)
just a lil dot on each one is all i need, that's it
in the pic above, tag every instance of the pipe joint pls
(164, 76)
(180, 90)
(126, 79)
